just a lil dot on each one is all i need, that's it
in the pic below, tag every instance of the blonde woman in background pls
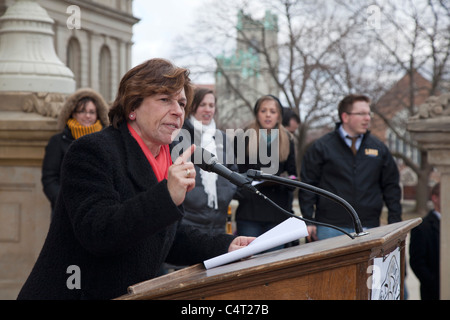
(254, 215)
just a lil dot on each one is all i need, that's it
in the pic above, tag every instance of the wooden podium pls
(337, 268)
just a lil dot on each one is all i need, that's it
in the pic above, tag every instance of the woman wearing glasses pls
(84, 112)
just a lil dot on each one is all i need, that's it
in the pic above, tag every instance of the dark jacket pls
(364, 181)
(51, 166)
(114, 221)
(60, 142)
(424, 250)
(253, 207)
(197, 212)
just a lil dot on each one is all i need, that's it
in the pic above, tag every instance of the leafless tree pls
(309, 74)
(412, 39)
(330, 48)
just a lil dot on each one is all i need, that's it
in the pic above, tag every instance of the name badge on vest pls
(371, 152)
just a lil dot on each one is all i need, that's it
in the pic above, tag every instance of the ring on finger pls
(188, 173)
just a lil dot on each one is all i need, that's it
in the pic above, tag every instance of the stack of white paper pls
(289, 230)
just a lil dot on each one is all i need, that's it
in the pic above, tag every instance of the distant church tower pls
(247, 70)
(93, 38)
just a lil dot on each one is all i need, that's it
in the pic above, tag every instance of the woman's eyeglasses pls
(88, 113)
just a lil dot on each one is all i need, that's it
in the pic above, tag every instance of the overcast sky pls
(161, 22)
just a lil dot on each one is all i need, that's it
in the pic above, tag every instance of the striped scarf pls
(78, 130)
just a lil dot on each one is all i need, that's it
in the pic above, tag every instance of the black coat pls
(424, 256)
(253, 207)
(365, 181)
(114, 221)
(51, 166)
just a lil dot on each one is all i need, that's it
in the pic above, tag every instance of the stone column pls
(28, 61)
(431, 129)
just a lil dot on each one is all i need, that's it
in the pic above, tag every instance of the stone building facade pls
(93, 38)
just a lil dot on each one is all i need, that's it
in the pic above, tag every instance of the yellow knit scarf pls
(78, 130)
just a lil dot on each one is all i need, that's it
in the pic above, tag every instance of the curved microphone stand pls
(258, 175)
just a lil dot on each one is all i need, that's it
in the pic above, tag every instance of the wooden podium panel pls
(336, 268)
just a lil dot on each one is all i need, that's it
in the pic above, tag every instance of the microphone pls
(209, 162)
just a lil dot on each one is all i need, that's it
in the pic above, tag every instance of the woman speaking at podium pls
(117, 215)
